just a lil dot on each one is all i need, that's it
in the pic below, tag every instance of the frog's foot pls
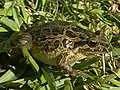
(63, 64)
(68, 69)
(75, 73)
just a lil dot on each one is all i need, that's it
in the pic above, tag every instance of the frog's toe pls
(74, 73)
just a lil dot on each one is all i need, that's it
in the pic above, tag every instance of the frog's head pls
(94, 45)
(88, 43)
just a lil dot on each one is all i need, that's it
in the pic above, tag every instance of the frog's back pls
(56, 34)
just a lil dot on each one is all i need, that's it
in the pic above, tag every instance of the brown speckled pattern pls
(62, 43)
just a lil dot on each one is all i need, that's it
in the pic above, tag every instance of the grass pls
(21, 73)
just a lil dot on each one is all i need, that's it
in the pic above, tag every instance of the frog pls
(61, 44)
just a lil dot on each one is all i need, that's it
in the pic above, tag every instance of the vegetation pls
(17, 72)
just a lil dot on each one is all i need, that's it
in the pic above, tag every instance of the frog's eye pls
(70, 34)
(56, 44)
(92, 43)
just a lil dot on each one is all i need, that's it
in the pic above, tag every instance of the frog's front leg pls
(63, 63)
(20, 39)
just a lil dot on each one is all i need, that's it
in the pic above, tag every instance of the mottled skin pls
(60, 43)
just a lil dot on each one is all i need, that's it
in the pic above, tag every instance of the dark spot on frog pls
(92, 43)
(43, 37)
(56, 44)
(80, 43)
(56, 31)
(51, 46)
(46, 31)
(63, 23)
(64, 43)
(48, 47)
(70, 34)
(77, 29)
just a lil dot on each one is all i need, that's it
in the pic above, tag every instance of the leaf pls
(101, 17)
(42, 78)
(116, 51)
(38, 4)
(85, 75)
(86, 63)
(68, 85)
(24, 11)
(10, 23)
(116, 17)
(8, 76)
(19, 81)
(97, 11)
(6, 12)
(108, 78)
(115, 82)
(31, 60)
(15, 16)
(50, 79)
(3, 29)
(112, 88)
(8, 4)
(42, 13)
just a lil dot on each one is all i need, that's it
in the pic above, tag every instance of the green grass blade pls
(31, 60)
(8, 4)
(112, 88)
(10, 23)
(50, 79)
(115, 82)
(15, 16)
(25, 15)
(86, 63)
(3, 29)
(68, 85)
(6, 12)
(8, 76)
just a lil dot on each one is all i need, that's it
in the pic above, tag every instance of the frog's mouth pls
(99, 45)
(88, 47)
(92, 47)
